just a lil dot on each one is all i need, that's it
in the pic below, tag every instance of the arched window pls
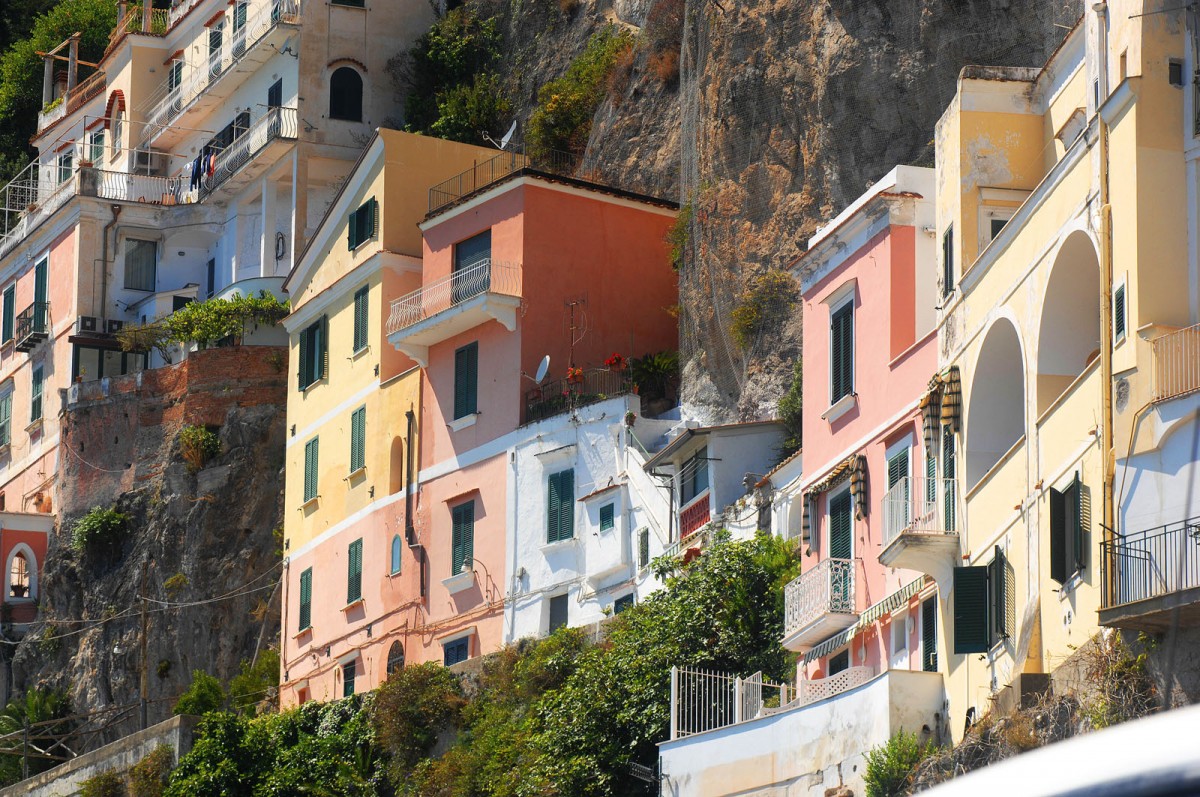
(115, 112)
(346, 95)
(18, 577)
(397, 547)
(395, 660)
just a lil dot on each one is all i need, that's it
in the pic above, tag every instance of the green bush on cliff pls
(100, 528)
(198, 445)
(204, 695)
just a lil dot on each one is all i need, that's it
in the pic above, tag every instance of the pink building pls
(869, 288)
(527, 267)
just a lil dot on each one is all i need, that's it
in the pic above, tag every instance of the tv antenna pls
(576, 329)
(503, 142)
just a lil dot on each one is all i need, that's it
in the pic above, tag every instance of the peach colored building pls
(530, 266)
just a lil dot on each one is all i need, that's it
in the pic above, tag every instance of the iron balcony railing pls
(826, 589)
(564, 395)
(483, 277)
(159, 21)
(29, 199)
(1177, 363)
(163, 106)
(498, 168)
(917, 505)
(1151, 563)
(32, 326)
(73, 101)
(275, 125)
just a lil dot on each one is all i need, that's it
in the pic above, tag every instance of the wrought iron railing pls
(1151, 563)
(163, 106)
(826, 589)
(276, 124)
(496, 169)
(160, 21)
(1177, 363)
(179, 9)
(483, 277)
(702, 700)
(129, 187)
(918, 505)
(28, 200)
(564, 395)
(32, 325)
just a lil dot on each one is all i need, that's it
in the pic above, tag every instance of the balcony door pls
(40, 295)
(471, 274)
(841, 546)
(897, 474)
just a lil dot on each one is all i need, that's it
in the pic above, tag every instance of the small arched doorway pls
(395, 659)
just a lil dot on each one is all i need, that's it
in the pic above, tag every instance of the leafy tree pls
(412, 708)
(204, 695)
(148, 777)
(791, 407)
(891, 765)
(37, 707)
(257, 683)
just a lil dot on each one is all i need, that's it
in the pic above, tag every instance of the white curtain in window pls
(141, 258)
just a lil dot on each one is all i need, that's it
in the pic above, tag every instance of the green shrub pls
(148, 777)
(412, 708)
(656, 375)
(198, 445)
(257, 683)
(205, 323)
(467, 108)
(680, 234)
(99, 529)
(562, 120)
(36, 707)
(765, 303)
(891, 765)
(791, 407)
(204, 695)
(106, 784)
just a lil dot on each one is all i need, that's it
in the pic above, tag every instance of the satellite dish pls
(508, 136)
(543, 367)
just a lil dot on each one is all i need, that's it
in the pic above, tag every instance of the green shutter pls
(897, 467)
(948, 474)
(606, 517)
(462, 543)
(560, 506)
(1072, 528)
(948, 261)
(1119, 313)
(358, 439)
(374, 203)
(6, 419)
(35, 403)
(643, 548)
(322, 358)
(929, 635)
(10, 310)
(354, 572)
(970, 593)
(352, 230)
(302, 379)
(998, 592)
(361, 306)
(930, 480)
(466, 380)
(553, 508)
(840, 527)
(310, 469)
(1079, 549)
(1058, 536)
(305, 599)
(842, 351)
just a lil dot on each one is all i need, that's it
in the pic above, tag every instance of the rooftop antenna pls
(576, 330)
(503, 142)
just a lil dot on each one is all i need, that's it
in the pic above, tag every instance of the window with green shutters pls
(897, 471)
(462, 540)
(362, 299)
(1066, 531)
(314, 352)
(606, 517)
(930, 480)
(841, 526)
(623, 603)
(363, 223)
(310, 469)
(349, 675)
(6, 419)
(358, 439)
(841, 350)
(970, 596)
(305, 599)
(929, 635)
(466, 380)
(10, 311)
(456, 651)
(1119, 313)
(560, 506)
(35, 403)
(354, 572)
(998, 592)
(948, 475)
(948, 261)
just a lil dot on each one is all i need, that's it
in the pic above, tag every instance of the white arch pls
(1068, 338)
(31, 563)
(996, 403)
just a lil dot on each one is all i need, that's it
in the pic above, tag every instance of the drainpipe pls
(116, 214)
(1106, 319)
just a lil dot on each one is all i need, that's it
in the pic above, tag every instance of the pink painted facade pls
(570, 242)
(876, 258)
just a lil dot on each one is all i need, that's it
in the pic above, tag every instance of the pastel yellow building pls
(353, 412)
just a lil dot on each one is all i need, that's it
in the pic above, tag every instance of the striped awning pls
(858, 485)
(872, 613)
(952, 399)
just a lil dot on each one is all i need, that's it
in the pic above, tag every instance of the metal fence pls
(1151, 563)
(485, 276)
(826, 589)
(702, 700)
(564, 395)
(274, 125)
(1177, 363)
(920, 506)
(496, 169)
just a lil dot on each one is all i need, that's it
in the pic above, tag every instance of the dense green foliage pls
(198, 445)
(21, 68)
(767, 300)
(204, 323)
(680, 234)
(204, 695)
(562, 120)
(148, 777)
(103, 784)
(656, 375)
(40, 708)
(453, 90)
(891, 765)
(257, 683)
(791, 407)
(100, 529)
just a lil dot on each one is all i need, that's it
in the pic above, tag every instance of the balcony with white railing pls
(240, 162)
(482, 292)
(1177, 363)
(171, 110)
(818, 604)
(29, 199)
(920, 526)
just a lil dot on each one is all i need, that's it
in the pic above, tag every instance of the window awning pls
(872, 613)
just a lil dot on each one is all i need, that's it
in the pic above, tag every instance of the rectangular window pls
(313, 352)
(310, 469)
(948, 261)
(211, 278)
(141, 264)
(305, 599)
(471, 275)
(998, 591)
(841, 526)
(643, 548)
(558, 612)
(841, 337)
(839, 662)
(354, 572)
(1066, 531)
(930, 480)
(349, 671)
(623, 603)
(1175, 73)
(350, 3)
(996, 226)
(10, 311)
(1119, 314)
(275, 94)
(6, 419)
(363, 224)
(96, 145)
(358, 439)
(929, 635)
(362, 298)
(456, 651)
(35, 403)
(693, 476)
(174, 75)
(949, 478)
(970, 596)
(462, 540)
(239, 14)
(66, 166)
(215, 36)
(466, 380)
(606, 517)
(560, 506)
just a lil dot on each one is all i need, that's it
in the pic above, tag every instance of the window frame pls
(358, 440)
(362, 318)
(1068, 546)
(462, 537)
(689, 485)
(313, 355)
(624, 603)
(560, 514)
(37, 380)
(396, 563)
(844, 304)
(462, 643)
(349, 676)
(466, 386)
(304, 613)
(1120, 311)
(141, 243)
(608, 516)
(836, 494)
(6, 402)
(362, 224)
(354, 568)
(948, 270)
(96, 139)
(336, 111)
(312, 464)
(9, 313)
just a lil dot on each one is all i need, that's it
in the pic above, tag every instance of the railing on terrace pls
(130, 187)
(1177, 363)
(564, 395)
(276, 124)
(695, 515)
(1151, 563)
(496, 169)
(32, 326)
(701, 538)
(163, 106)
(826, 589)
(31, 197)
(160, 20)
(179, 9)
(483, 277)
(918, 505)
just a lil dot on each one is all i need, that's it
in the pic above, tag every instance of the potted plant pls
(616, 362)
(574, 374)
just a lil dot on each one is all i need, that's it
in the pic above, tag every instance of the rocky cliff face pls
(204, 541)
(784, 112)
